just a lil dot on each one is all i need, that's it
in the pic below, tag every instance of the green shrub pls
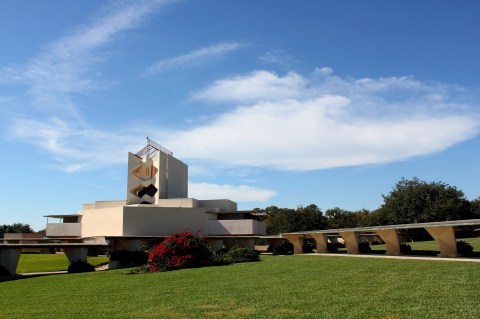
(80, 266)
(219, 257)
(285, 248)
(464, 248)
(308, 246)
(241, 255)
(364, 247)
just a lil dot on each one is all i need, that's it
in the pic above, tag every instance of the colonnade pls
(442, 232)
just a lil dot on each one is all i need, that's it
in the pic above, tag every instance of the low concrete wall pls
(236, 227)
(64, 229)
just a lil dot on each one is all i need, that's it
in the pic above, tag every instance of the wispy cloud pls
(65, 66)
(324, 121)
(256, 86)
(240, 193)
(277, 57)
(76, 147)
(197, 57)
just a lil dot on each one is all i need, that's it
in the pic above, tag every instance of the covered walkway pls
(442, 232)
(76, 249)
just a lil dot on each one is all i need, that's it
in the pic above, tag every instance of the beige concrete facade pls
(157, 205)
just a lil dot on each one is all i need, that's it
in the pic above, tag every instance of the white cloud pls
(64, 66)
(284, 122)
(76, 148)
(296, 123)
(67, 66)
(323, 71)
(277, 57)
(241, 193)
(258, 85)
(196, 57)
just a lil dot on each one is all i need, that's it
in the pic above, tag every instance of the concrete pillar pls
(297, 241)
(392, 241)
(322, 241)
(9, 258)
(275, 242)
(445, 237)
(216, 244)
(126, 244)
(351, 241)
(76, 254)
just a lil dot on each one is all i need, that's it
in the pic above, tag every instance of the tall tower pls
(153, 174)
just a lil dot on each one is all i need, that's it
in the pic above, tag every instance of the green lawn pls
(277, 287)
(50, 262)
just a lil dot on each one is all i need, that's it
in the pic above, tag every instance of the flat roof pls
(236, 212)
(453, 223)
(62, 215)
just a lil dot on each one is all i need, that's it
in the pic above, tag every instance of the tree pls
(341, 218)
(284, 220)
(416, 201)
(475, 207)
(15, 228)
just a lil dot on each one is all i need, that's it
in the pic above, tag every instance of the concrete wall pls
(225, 205)
(177, 183)
(179, 202)
(160, 221)
(236, 227)
(22, 235)
(102, 222)
(104, 204)
(64, 230)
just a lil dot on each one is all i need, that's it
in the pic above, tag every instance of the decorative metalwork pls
(152, 149)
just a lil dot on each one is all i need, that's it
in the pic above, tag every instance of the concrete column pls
(216, 244)
(351, 241)
(275, 242)
(322, 241)
(9, 258)
(126, 244)
(392, 241)
(297, 241)
(76, 254)
(445, 237)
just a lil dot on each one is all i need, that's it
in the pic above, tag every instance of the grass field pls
(276, 287)
(50, 262)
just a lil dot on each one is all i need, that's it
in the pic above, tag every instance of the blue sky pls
(281, 103)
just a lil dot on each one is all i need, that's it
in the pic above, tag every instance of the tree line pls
(15, 228)
(410, 201)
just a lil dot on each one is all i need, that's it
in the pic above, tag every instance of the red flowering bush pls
(181, 250)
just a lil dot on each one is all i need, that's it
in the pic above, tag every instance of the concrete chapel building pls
(157, 206)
